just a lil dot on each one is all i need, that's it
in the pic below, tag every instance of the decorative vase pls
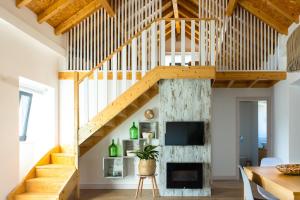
(119, 148)
(113, 150)
(134, 132)
(147, 167)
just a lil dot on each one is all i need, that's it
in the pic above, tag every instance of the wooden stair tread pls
(55, 166)
(55, 170)
(63, 158)
(47, 179)
(37, 196)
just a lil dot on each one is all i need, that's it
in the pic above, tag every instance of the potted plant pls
(148, 157)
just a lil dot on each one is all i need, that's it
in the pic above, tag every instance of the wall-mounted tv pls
(185, 133)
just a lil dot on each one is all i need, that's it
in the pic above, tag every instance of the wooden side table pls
(155, 190)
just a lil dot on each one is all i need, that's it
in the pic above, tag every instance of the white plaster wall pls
(25, 20)
(224, 129)
(21, 55)
(286, 118)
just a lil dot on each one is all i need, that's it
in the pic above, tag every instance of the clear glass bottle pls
(134, 134)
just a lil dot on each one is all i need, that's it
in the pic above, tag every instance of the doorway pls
(253, 131)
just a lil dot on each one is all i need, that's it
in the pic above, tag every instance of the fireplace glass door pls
(184, 175)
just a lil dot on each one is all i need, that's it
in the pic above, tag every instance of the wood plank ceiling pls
(62, 15)
(279, 14)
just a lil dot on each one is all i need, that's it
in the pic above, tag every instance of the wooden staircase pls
(132, 100)
(54, 177)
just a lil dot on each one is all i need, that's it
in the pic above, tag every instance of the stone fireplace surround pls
(185, 100)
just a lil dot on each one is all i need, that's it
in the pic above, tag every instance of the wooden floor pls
(222, 190)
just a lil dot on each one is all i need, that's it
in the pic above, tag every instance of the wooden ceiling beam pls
(79, 16)
(21, 3)
(282, 11)
(176, 15)
(53, 10)
(231, 7)
(105, 4)
(189, 7)
(166, 6)
(253, 83)
(263, 16)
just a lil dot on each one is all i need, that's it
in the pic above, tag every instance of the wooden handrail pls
(135, 36)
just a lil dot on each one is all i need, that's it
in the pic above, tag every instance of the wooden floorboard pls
(222, 190)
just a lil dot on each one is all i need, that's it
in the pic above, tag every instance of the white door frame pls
(269, 126)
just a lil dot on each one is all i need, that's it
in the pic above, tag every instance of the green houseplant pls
(148, 156)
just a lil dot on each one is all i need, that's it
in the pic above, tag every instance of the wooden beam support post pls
(231, 6)
(176, 15)
(76, 128)
(248, 5)
(52, 10)
(21, 3)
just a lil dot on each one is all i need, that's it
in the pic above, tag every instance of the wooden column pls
(76, 127)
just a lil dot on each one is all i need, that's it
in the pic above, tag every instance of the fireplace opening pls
(184, 175)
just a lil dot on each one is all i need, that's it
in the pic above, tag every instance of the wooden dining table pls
(282, 186)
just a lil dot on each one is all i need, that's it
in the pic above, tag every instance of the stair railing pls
(141, 53)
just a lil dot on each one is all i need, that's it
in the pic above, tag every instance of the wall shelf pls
(116, 167)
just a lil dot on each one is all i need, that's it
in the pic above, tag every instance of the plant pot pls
(147, 167)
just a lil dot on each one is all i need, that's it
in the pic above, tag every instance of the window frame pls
(23, 136)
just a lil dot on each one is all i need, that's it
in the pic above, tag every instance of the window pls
(24, 111)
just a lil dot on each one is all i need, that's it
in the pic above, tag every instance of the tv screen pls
(184, 133)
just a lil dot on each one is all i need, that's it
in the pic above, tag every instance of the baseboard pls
(113, 186)
(224, 178)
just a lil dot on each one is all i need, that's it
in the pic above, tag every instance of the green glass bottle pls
(134, 132)
(113, 150)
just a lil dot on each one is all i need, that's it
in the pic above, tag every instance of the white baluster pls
(134, 60)
(182, 46)
(202, 43)
(193, 42)
(124, 69)
(173, 42)
(212, 42)
(115, 76)
(104, 94)
(96, 106)
(86, 100)
(162, 43)
(144, 52)
(153, 45)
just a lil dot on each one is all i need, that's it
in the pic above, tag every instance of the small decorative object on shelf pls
(119, 148)
(134, 133)
(149, 114)
(148, 157)
(113, 150)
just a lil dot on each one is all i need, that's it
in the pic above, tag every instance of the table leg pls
(137, 191)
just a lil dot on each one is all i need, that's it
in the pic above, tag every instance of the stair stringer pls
(106, 120)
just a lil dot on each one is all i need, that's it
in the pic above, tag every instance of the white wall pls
(26, 20)
(20, 55)
(286, 108)
(224, 129)
(286, 118)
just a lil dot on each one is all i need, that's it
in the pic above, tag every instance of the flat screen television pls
(185, 133)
